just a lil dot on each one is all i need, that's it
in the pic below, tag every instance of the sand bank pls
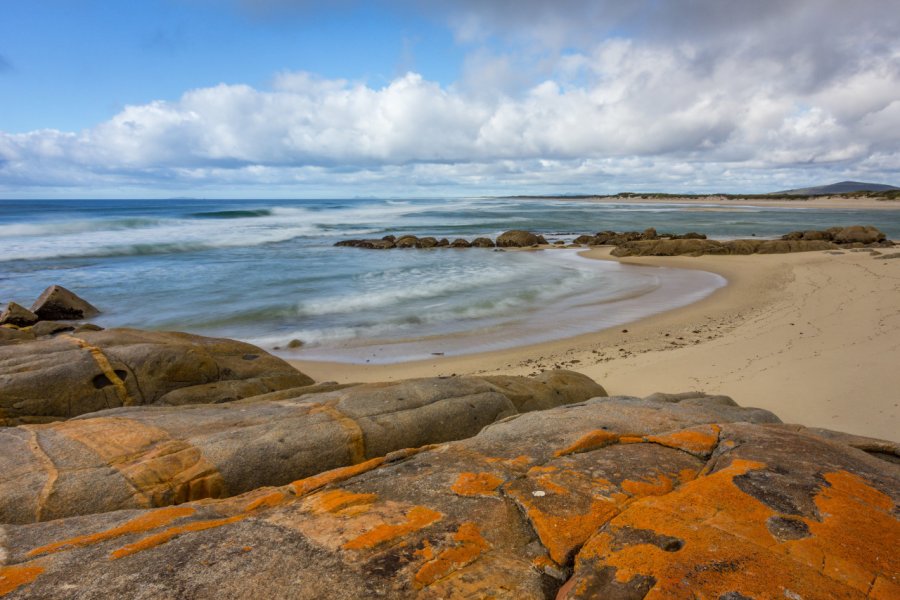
(836, 202)
(814, 337)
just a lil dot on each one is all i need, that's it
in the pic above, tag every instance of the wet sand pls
(814, 337)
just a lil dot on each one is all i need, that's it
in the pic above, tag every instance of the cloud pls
(680, 95)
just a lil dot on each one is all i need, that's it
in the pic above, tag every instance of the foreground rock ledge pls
(60, 377)
(143, 457)
(612, 498)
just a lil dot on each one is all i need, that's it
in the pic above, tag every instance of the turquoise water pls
(267, 271)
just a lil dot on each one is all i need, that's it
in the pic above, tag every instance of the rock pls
(460, 243)
(67, 375)
(426, 242)
(11, 335)
(57, 303)
(482, 242)
(389, 238)
(45, 328)
(888, 256)
(17, 315)
(649, 234)
(382, 244)
(517, 238)
(88, 327)
(691, 235)
(293, 344)
(443, 243)
(698, 247)
(584, 239)
(862, 234)
(157, 456)
(407, 241)
(612, 498)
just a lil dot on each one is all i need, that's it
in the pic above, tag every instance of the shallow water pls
(267, 271)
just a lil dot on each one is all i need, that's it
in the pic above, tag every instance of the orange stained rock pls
(106, 367)
(267, 501)
(162, 470)
(631, 439)
(696, 440)
(141, 524)
(661, 484)
(417, 518)
(476, 484)
(310, 484)
(728, 548)
(356, 441)
(14, 577)
(590, 441)
(340, 501)
(164, 536)
(470, 546)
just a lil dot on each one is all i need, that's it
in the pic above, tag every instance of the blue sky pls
(292, 98)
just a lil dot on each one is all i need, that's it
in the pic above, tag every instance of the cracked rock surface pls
(672, 497)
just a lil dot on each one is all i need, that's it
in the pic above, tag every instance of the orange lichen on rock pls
(700, 441)
(340, 502)
(727, 547)
(267, 501)
(851, 505)
(470, 546)
(476, 484)
(590, 441)
(14, 577)
(310, 484)
(418, 517)
(657, 486)
(162, 537)
(141, 524)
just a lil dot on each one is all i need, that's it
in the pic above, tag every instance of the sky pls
(402, 98)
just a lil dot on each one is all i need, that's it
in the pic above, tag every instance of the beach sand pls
(835, 202)
(813, 337)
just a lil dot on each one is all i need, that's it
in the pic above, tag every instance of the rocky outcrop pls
(383, 244)
(610, 498)
(155, 456)
(49, 379)
(57, 303)
(698, 247)
(516, 238)
(863, 235)
(15, 314)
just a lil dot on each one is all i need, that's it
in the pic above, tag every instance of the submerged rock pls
(610, 498)
(55, 378)
(142, 456)
(57, 303)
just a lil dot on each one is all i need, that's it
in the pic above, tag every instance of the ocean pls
(267, 271)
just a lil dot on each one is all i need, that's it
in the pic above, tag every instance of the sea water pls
(267, 271)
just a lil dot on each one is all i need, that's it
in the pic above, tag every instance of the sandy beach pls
(834, 202)
(814, 337)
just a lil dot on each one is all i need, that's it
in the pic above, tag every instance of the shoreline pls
(770, 338)
(835, 202)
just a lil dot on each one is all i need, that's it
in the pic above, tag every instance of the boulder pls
(517, 238)
(649, 234)
(443, 243)
(698, 247)
(426, 242)
(584, 239)
(407, 241)
(482, 242)
(611, 498)
(861, 234)
(18, 315)
(157, 456)
(48, 379)
(57, 303)
(460, 243)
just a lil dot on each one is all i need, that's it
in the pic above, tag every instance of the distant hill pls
(842, 187)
